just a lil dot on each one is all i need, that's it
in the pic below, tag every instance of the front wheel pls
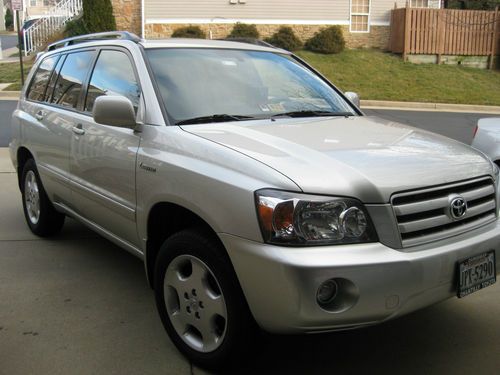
(200, 301)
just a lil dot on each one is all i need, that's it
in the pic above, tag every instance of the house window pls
(419, 3)
(32, 3)
(360, 16)
(46, 3)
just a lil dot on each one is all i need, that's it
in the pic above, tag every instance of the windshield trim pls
(156, 88)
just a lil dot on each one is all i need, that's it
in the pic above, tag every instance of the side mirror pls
(115, 111)
(353, 97)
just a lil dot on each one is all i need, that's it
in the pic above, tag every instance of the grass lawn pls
(10, 73)
(382, 76)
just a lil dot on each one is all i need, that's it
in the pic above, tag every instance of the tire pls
(40, 214)
(200, 301)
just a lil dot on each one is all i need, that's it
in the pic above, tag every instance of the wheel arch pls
(23, 155)
(165, 219)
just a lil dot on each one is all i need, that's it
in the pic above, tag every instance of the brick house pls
(365, 22)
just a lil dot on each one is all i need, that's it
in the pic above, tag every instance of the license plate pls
(476, 273)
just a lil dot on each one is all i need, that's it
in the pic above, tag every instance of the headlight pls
(304, 220)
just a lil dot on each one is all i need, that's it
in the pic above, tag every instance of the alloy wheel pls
(32, 197)
(195, 303)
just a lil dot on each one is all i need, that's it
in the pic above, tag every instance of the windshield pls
(233, 85)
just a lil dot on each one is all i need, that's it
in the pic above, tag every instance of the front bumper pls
(280, 283)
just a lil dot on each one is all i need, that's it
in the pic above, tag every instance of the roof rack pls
(124, 35)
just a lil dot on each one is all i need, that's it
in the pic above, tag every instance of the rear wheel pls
(200, 301)
(40, 214)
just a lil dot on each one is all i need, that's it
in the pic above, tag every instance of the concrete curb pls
(9, 95)
(436, 107)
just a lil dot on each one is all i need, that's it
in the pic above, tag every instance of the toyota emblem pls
(458, 207)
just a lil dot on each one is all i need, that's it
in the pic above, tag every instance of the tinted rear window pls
(73, 73)
(53, 78)
(41, 78)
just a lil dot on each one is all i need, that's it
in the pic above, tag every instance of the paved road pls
(459, 126)
(8, 41)
(455, 125)
(77, 304)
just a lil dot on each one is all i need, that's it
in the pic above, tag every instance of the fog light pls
(327, 292)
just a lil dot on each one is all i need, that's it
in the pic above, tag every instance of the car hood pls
(363, 157)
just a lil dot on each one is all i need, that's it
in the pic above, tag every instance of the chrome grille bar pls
(425, 215)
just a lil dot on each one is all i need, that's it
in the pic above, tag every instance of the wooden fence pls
(445, 32)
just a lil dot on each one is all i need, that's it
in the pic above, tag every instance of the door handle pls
(78, 129)
(40, 115)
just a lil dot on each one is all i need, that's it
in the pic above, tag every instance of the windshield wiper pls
(306, 113)
(213, 118)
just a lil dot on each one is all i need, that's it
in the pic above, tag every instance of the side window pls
(69, 83)
(113, 75)
(53, 78)
(41, 78)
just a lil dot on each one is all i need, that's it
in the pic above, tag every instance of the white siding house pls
(364, 22)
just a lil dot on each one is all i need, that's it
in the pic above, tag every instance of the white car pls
(487, 137)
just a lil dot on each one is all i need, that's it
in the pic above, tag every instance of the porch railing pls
(40, 32)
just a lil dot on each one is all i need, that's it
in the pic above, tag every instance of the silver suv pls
(256, 193)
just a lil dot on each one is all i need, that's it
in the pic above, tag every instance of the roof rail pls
(125, 35)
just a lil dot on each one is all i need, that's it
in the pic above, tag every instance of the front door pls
(103, 158)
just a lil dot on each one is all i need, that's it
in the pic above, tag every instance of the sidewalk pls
(429, 107)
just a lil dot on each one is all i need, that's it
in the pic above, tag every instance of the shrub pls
(473, 4)
(329, 40)
(285, 38)
(75, 28)
(97, 17)
(9, 20)
(189, 32)
(243, 30)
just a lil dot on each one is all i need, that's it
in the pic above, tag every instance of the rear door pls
(103, 158)
(45, 135)
(56, 114)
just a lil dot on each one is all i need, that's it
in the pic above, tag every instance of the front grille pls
(424, 216)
